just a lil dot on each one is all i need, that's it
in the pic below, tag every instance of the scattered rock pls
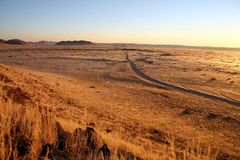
(23, 145)
(197, 69)
(105, 151)
(231, 82)
(62, 138)
(92, 124)
(230, 120)
(81, 144)
(92, 142)
(185, 112)
(211, 116)
(158, 136)
(123, 155)
(52, 153)
(92, 87)
(165, 54)
(130, 156)
(212, 79)
(86, 144)
(108, 130)
(19, 142)
(223, 156)
(154, 131)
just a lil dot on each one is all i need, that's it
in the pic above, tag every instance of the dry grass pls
(25, 129)
(38, 125)
(28, 128)
(192, 149)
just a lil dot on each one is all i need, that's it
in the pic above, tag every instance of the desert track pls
(144, 77)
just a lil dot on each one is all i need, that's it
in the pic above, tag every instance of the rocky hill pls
(2, 41)
(14, 41)
(81, 42)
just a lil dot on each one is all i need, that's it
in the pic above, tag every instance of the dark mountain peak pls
(15, 41)
(81, 42)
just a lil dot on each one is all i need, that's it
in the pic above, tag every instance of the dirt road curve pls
(191, 91)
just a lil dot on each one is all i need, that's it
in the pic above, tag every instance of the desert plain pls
(153, 101)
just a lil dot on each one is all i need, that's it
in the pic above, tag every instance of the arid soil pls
(95, 86)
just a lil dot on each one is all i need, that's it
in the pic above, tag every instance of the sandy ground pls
(211, 71)
(95, 85)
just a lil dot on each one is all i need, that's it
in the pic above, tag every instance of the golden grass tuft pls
(26, 128)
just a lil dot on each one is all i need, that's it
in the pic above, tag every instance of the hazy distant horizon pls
(126, 43)
(203, 23)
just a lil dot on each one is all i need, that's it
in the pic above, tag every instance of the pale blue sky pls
(187, 22)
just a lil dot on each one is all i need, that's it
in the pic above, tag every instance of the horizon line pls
(132, 43)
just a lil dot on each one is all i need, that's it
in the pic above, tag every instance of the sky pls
(182, 22)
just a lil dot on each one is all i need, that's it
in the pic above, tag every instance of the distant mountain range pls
(21, 42)
(127, 46)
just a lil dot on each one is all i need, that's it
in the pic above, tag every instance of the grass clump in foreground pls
(24, 130)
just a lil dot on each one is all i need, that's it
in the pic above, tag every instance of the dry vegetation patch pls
(113, 113)
(29, 131)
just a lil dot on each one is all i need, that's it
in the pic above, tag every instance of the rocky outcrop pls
(81, 144)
